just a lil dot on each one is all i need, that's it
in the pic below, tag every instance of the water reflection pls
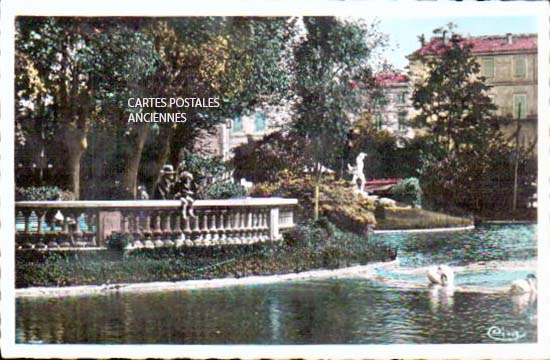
(338, 311)
(441, 297)
(342, 311)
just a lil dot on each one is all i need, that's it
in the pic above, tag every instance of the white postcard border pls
(11, 9)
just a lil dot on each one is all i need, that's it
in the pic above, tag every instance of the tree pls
(332, 71)
(457, 116)
(241, 61)
(75, 76)
(70, 73)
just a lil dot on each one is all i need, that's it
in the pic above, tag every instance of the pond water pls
(394, 306)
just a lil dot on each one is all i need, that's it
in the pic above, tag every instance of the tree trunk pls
(131, 174)
(318, 174)
(316, 202)
(76, 141)
(165, 155)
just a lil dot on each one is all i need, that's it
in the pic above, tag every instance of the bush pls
(33, 193)
(211, 177)
(118, 241)
(408, 191)
(276, 156)
(224, 191)
(311, 246)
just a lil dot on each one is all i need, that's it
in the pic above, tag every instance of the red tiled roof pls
(484, 44)
(388, 78)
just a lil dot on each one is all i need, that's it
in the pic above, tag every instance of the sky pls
(403, 32)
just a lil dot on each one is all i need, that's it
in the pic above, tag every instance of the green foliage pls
(42, 193)
(313, 246)
(408, 191)
(338, 202)
(211, 177)
(119, 241)
(204, 168)
(331, 71)
(274, 157)
(456, 113)
(335, 247)
(224, 190)
(74, 77)
(452, 101)
(389, 156)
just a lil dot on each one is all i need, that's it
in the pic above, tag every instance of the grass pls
(413, 218)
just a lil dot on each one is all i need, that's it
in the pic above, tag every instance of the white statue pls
(246, 184)
(357, 171)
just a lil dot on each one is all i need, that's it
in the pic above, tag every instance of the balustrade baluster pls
(233, 227)
(147, 231)
(77, 233)
(62, 237)
(206, 237)
(91, 217)
(195, 228)
(236, 226)
(222, 228)
(167, 228)
(178, 235)
(257, 225)
(223, 223)
(26, 216)
(157, 231)
(187, 232)
(24, 237)
(137, 217)
(214, 228)
(262, 226)
(39, 236)
(242, 227)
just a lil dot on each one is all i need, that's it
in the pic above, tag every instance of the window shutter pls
(520, 100)
(259, 121)
(237, 123)
(488, 68)
(520, 67)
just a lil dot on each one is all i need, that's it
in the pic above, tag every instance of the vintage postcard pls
(270, 179)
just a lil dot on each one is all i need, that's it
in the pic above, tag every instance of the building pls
(393, 112)
(241, 128)
(509, 65)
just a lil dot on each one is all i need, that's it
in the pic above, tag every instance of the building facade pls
(509, 65)
(242, 128)
(393, 113)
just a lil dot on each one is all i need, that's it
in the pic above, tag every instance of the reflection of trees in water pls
(486, 243)
(339, 311)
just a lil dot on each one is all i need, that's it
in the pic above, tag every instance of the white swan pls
(523, 286)
(441, 275)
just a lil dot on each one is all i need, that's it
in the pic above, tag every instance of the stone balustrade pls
(152, 223)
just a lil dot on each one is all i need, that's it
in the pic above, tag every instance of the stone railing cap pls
(121, 204)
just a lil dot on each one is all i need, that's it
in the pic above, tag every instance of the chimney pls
(444, 37)
(509, 38)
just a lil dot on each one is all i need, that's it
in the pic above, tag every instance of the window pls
(401, 97)
(520, 106)
(488, 67)
(378, 121)
(402, 120)
(520, 67)
(237, 123)
(259, 122)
